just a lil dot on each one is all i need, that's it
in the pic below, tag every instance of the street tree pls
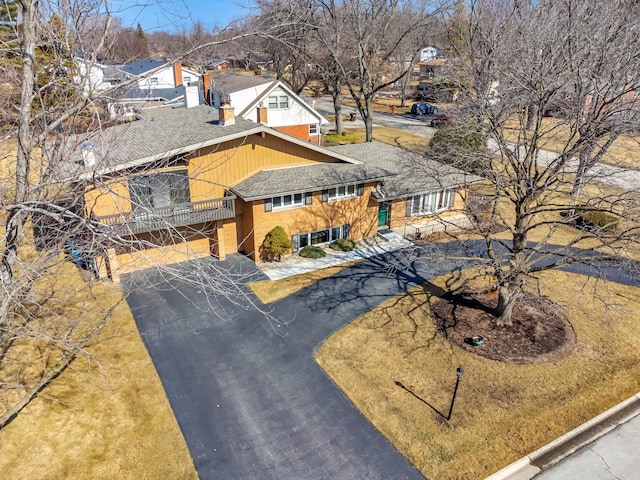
(517, 63)
(363, 40)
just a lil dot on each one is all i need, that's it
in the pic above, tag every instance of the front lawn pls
(106, 416)
(503, 411)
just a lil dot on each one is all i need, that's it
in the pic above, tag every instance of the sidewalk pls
(557, 459)
(394, 242)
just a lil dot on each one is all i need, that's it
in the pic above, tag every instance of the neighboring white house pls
(94, 76)
(166, 75)
(267, 101)
(428, 53)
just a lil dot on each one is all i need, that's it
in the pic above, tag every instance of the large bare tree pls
(518, 62)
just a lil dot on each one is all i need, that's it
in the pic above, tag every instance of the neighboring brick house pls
(183, 183)
(267, 101)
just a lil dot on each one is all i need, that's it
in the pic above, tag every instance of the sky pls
(174, 15)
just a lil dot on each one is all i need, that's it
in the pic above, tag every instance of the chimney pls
(226, 115)
(177, 74)
(206, 82)
(191, 96)
(262, 115)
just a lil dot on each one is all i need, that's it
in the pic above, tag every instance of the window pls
(153, 81)
(319, 237)
(159, 190)
(186, 79)
(284, 202)
(313, 129)
(281, 101)
(347, 191)
(430, 202)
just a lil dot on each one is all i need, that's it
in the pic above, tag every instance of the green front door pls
(383, 214)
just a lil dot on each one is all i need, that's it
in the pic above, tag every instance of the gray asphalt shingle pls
(411, 174)
(160, 133)
(305, 178)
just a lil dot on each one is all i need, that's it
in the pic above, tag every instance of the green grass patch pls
(347, 137)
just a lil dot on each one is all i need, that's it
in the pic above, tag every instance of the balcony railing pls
(153, 219)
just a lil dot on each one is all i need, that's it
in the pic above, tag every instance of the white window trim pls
(343, 232)
(277, 105)
(313, 129)
(153, 81)
(294, 203)
(337, 196)
(443, 199)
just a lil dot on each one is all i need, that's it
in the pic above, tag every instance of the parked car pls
(440, 121)
(423, 108)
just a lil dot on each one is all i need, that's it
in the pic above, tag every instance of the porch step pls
(390, 236)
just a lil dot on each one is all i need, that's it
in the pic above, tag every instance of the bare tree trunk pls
(367, 117)
(507, 296)
(337, 108)
(16, 219)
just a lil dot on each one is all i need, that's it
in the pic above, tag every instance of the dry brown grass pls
(503, 411)
(624, 153)
(105, 417)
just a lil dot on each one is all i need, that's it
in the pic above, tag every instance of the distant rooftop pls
(140, 67)
(233, 82)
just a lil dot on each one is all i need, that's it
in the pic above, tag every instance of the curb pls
(548, 455)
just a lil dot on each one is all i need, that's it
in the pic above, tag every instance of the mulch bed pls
(540, 332)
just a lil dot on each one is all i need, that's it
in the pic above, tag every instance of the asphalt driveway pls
(249, 398)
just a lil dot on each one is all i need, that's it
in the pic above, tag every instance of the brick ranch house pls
(182, 183)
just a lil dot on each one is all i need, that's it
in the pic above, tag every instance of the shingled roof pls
(160, 133)
(230, 82)
(409, 174)
(142, 66)
(305, 178)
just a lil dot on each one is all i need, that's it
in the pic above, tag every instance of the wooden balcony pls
(154, 219)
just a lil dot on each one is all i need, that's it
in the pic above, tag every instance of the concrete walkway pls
(394, 242)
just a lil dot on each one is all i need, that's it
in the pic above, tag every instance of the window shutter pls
(308, 198)
(267, 205)
(346, 229)
(325, 195)
(360, 189)
(408, 212)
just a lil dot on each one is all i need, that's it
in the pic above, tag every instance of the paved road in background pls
(324, 105)
(628, 179)
(251, 401)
